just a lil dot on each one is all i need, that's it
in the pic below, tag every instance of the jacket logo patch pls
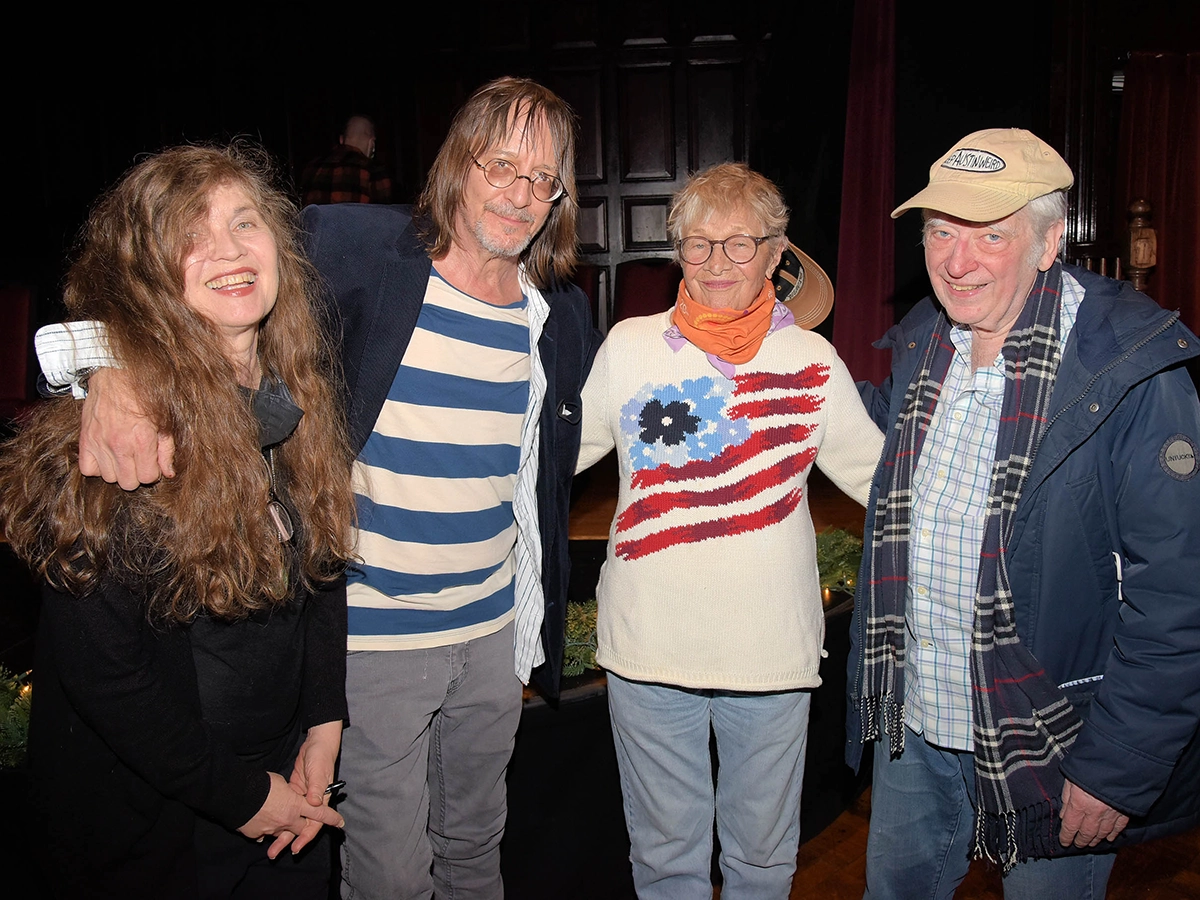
(1178, 458)
(968, 160)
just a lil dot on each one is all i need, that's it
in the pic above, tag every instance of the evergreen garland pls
(579, 654)
(839, 554)
(15, 695)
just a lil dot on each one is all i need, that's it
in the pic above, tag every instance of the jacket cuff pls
(238, 805)
(68, 352)
(1124, 776)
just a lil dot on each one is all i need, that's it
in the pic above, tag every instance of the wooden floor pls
(832, 865)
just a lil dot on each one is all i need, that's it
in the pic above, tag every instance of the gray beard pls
(506, 251)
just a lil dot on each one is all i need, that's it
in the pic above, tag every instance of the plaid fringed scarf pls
(1023, 724)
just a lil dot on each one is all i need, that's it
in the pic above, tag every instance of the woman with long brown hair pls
(191, 651)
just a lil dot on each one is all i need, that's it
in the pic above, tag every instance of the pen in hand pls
(336, 786)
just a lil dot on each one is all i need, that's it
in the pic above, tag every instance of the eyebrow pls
(934, 222)
(509, 156)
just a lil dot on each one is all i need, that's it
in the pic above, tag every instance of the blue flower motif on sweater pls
(673, 424)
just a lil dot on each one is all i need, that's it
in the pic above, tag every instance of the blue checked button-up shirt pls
(951, 484)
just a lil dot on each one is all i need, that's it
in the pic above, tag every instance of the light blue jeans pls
(662, 741)
(922, 823)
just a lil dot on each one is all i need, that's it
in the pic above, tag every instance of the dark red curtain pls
(863, 309)
(1159, 160)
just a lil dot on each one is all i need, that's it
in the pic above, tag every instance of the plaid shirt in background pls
(345, 176)
(951, 486)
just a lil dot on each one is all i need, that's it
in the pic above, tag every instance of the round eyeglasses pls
(501, 174)
(739, 248)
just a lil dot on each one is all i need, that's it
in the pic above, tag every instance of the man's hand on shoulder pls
(116, 439)
(1086, 820)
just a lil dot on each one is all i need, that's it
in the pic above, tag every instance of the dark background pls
(86, 94)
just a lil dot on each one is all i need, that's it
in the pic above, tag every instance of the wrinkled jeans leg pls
(1064, 878)
(424, 759)
(1082, 877)
(922, 822)
(393, 696)
(761, 741)
(471, 743)
(661, 735)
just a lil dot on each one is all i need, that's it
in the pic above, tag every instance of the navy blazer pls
(375, 270)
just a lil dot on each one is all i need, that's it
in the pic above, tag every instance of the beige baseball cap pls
(991, 174)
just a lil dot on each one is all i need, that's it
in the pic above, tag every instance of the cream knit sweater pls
(711, 575)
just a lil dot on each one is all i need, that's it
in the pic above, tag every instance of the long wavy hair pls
(203, 540)
(485, 121)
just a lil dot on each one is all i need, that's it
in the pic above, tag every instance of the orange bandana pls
(733, 335)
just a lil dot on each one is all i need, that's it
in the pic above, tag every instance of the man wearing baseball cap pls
(1026, 643)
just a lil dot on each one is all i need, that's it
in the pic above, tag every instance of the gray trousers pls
(424, 759)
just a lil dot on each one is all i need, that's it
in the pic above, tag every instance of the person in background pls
(710, 614)
(349, 173)
(190, 667)
(1025, 653)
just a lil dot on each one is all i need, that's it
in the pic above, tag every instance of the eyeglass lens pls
(500, 174)
(740, 248)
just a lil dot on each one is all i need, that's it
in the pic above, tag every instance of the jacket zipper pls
(1170, 320)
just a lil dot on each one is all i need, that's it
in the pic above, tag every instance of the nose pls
(961, 260)
(718, 261)
(520, 192)
(225, 243)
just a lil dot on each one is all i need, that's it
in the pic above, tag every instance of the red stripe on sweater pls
(662, 503)
(803, 404)
(805, 380)
(758, 442)
(703, 531)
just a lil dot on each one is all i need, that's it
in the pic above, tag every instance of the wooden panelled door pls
(650, 114)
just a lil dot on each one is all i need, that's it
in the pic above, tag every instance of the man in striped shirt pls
(465, 351)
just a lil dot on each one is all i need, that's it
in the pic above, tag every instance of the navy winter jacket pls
(1105, 554)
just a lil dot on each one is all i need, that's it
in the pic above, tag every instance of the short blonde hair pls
(723, 188)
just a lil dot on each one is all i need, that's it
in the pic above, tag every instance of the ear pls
(776, 256)
(1050, 249)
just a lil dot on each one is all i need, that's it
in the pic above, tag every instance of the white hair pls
(1046, 210)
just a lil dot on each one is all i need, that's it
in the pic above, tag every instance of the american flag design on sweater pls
(729, 452)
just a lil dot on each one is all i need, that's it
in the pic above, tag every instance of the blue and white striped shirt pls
(435, 481)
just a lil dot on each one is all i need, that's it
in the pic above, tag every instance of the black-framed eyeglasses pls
(500, 173)
(739, 248)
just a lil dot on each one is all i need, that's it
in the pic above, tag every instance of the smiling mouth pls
(963, 288)
(230, 280)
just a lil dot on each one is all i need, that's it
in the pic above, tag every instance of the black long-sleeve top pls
(137, 725)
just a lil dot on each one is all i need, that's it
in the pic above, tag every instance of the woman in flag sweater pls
(710, 614)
